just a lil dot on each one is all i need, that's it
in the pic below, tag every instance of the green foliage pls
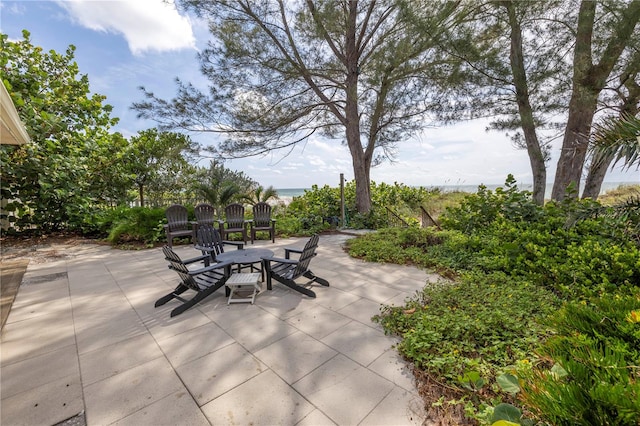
(258, 194)
(72, 162)
(485, 322)
(318, 209)
(514, 263)
(575, 258)
(98, 222)
(618, 138)
(485, 207)
(563, 247)
(506, 413)
(155, 161)
(598, 351)
(286, 58)
(220, 186)
(396, 245)
(138, 224)
(622, 206)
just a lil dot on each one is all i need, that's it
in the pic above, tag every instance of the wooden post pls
(342, 212)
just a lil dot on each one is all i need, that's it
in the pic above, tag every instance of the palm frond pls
(619, 139)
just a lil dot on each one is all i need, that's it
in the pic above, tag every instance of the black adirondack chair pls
(204, 281)
(209, 241)
(262, 221)
(205, 214)
(287, 270)
(234, 223)
(178, 224)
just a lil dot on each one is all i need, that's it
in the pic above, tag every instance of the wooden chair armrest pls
(280, 260)
(238, 244)
(211, 268)
(196, 259)
(202, 248)
(289, 250)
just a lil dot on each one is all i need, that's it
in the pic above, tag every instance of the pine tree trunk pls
(361, 165)
(574, 149)
(597, 172)
(536, 156)
(588, 81)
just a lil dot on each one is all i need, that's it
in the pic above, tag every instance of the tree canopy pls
(155, 157)
(281, 72)
(73, 161)
(542, 71)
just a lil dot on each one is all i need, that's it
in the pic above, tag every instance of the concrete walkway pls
(83, 337)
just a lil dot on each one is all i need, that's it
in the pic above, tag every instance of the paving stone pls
(362, 310)
(108, 332)
(36, 336)
(118, 357)
(249, 404)
(37, 371)
(176, 409)
(288, 359)
(212, 375)
(295, 356)
(344, 390)
(360, 343)
(399, 407)
(119, 396)
(195, 343)
(318, 321)
(48, 404)
(316, 418)
(260, 331)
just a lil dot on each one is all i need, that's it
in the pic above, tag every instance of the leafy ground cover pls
(541, 321)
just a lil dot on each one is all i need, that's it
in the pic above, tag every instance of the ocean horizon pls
(606, 186)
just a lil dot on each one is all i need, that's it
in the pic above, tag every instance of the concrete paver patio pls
(83, 336)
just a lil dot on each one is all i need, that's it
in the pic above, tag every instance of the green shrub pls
(590, 374)
(479, 210)
(318, 209)
(394, 245)
(140, 224)
(484, 322)
(515, 262)
(594, 268)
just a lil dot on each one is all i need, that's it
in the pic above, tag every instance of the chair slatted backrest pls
(262, 215)
(178, 265)
(177, 217)
(234, 215)
(209, 237)
(205, 214)
(307, 254)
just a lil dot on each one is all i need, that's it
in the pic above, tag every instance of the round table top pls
(244, 256)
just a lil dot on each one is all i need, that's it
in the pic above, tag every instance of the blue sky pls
(122, 45)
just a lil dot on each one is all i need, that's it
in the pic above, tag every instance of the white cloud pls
(326, 146)
(315, 160)
(15, 8)
(147, 25)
